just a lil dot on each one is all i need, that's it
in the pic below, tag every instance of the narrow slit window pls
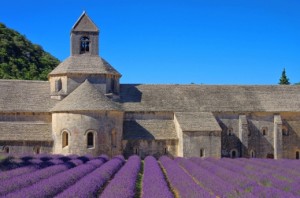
(90, 140)
(37, 150)
(264, 131)
(58, 85)
(65, 139)
(201, 152)
(6, 149)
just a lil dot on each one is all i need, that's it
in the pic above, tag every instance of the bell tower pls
(83, 64)
(84, 37)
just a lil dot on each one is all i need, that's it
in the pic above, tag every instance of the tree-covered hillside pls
(21, 59)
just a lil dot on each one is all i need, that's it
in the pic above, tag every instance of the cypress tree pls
(284, 79)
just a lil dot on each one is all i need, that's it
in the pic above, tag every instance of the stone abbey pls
(83, 109)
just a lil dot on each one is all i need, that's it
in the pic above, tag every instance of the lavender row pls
(10, 185)
(259, 183)
(209, 180)
(53, 185)
(227, 175)
(180, 181)
(154, 183)
(123, 184)
(36, 164)
(89, 185)
(14, 162)
(274, 176)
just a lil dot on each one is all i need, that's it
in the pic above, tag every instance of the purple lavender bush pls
(89, 185)
(180, 181)
(53, 185)
(123, 184)
(10, 185)
(208, 180)
(154, 183)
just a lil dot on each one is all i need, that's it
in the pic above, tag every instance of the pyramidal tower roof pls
(85, 24)
(85, 61)
(86, 98)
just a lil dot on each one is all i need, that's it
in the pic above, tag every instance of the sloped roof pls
(85, 98)
(85, 24)
(149, 129)
(197, 121)
(210, 98)
(84, 64)
(25, 96)
(24, 131)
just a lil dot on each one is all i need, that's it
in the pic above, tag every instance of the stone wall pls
(155, 148)
(26, 147)
(262, 145)
(148, 116)
(230, 134)
(77, 125)
(290, 135)
(94, 42)
(209, 142)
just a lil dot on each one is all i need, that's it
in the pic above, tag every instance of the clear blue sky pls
(172, 41)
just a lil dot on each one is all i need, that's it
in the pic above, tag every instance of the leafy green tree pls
(284, 79)
(20, 59)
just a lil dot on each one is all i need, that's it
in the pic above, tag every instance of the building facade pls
(83, 109)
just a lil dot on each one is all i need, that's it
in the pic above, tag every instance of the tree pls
(284, 79)
(21, 59)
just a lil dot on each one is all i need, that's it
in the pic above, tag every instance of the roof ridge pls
(86, 97)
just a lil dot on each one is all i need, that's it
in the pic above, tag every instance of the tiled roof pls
(24, 131)
(84, 64)
(210, 98)
(85, 98)
(25, 96)
(197, 121)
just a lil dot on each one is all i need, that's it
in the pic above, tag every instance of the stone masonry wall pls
(194, 141)
(102, 124)
(144, 148)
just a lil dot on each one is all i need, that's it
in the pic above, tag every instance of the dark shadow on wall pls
(291, 139)
(259, 143)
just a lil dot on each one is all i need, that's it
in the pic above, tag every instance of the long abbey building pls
(83, 109)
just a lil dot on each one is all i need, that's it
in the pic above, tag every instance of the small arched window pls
(202, 152)
(6, 149)
(65, 139)
(37, 150)
(252, 154)
(84, 44)
(90, 140)
(165, 151)
(230, 132)
(136, 151)
(297, 154)
(234, 153)
(264, 131)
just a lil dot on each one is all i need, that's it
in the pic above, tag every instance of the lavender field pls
(86, 176)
